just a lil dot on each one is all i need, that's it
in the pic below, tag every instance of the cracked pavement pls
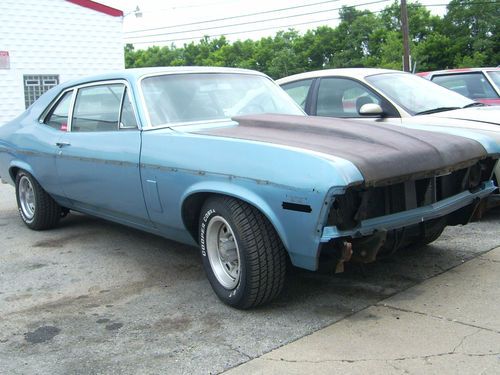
(446, 325)
(93, 297)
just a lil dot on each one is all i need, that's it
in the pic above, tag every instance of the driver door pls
(98, 158)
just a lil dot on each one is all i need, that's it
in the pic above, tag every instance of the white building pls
(46, 42)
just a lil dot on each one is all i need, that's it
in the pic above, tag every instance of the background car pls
(480, 84)
(186, 153)
(390, 96)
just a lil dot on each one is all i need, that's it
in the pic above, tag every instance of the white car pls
(391, 96)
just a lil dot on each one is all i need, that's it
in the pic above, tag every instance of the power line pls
(236, 32)
(243, 32)
(253, 22)
(174, 7)
(473, 3)
(246, 31)
(276, 27)
(234, 17)
(195, 5)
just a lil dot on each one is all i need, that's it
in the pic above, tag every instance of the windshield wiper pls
(436, 110)
(475, 104)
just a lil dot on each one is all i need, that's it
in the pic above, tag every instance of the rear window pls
(495, 77)
(473, 85)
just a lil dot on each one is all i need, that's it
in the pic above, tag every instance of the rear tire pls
(243, 256)
(37, 208)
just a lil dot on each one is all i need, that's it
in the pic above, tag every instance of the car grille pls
(358, 204)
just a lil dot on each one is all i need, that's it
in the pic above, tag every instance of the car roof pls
(458, 71)
(359, 73)
(137, 73)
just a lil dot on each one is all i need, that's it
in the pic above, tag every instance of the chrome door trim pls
(75, 89)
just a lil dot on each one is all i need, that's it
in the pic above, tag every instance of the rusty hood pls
(384, 154)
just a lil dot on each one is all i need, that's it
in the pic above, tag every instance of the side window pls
(342, 97)
(298, 91)
(127, 118)
(97, 108)
(58, 115)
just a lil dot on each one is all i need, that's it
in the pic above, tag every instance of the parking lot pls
(94, 297)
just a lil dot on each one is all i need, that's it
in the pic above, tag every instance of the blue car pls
(225, 160)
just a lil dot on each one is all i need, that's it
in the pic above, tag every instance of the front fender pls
(298, 230)
(242, 193)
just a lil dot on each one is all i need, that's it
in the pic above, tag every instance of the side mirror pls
(371, 109)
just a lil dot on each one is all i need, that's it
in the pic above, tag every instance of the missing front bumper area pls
(366, 249)
(437, 210)
(360, 203)
(364, 223)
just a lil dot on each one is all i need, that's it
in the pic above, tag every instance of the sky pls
(178, 22)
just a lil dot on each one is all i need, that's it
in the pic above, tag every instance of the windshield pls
(177, 98)
(495, 77)
(416, 94)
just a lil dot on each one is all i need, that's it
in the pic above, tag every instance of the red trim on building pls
(98, 7)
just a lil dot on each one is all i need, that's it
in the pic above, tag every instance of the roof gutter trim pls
(98, 7)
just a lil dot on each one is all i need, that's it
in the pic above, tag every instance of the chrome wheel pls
(223, 252)
(242, 254)
(27, 197)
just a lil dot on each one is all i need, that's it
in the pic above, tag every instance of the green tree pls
(129, 55)
(317, 47)
(434, 53)
(474, 27)
(466, 36)
(286, 58)
(423, 29)
(352, 45)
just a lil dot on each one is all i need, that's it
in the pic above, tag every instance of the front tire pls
(431, 231)
(37, 208)
(243, 256)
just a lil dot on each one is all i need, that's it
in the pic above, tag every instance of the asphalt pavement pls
(93, 297)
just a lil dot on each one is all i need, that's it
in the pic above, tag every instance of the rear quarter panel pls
(29, 145)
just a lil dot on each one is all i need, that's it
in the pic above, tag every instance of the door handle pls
(62, 144)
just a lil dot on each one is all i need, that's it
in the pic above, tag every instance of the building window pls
(36, 85)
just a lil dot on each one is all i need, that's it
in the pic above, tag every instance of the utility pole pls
(406, 37)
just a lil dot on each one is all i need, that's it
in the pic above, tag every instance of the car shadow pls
(169, 263)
